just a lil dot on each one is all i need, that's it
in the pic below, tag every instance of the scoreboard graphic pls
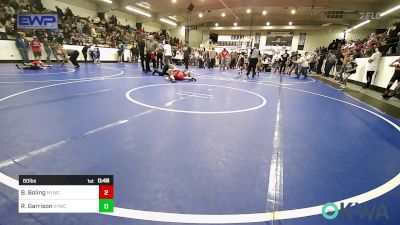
(66, 194)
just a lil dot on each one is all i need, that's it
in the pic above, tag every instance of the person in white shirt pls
(179, 55)
(303, 63)
(275, 61)
(167, 53)
(372, 66)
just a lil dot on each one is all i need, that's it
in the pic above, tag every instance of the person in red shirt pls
(37, 51)
(176, 74)
(224, 55)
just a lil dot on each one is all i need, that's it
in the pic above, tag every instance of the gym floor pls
(225, 149)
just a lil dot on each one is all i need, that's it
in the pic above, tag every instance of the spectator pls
(393, 37)
(36, 48)
(330, 62)
(339, 61)
(79, 27)
(3, 34)
(372, 66)
(121, 52)
(283, 60)
(224, 57)
(303, 63)
(60, 13)
(134, 52)
(396, 77)
(47, 49)
(187, 50)
(54, 48)
(151, 49)
(84, 52)
(332, 45)
(23, 47)
(212, 55)
(167, 53)
(10, 12)
(60, 38)
(351, 69)
(2, 13)
(142, 45)
(294, 65)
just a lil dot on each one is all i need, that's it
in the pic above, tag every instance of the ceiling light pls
(264, 12)
(139, 11)
(293, 11)
(248, 11)
(216, 24)
(358, 26)
(222, 14)
(201, 15)
(268, 23)
(235, 24)
(167, 21)
(172, 17)
(173, 1)
(390, 10)
(290, 23)
(144, 5)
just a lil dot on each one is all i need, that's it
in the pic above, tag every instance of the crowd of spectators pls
(387, 41)
(74, 29)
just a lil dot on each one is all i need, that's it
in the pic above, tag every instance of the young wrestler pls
(351, 68)
(165, 70)
(258, 65)
(240, 63)
(36, 64)
(96, 55)
(176, 74)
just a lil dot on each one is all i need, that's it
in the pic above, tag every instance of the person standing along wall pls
(37, 51)
(187, 50)
(54, 48)
(224, 55)
(396, 77)
(47, 49)
(84, 52)
(372, 66)
(167, 53)
(212, 55)
(23, 46)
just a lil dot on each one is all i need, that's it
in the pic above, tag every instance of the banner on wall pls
(279, 39)
(37, 21)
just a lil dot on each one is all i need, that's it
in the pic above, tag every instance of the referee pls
(73, 55)
(253, 59)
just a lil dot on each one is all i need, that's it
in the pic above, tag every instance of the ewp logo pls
(37, 21)
(370, 212)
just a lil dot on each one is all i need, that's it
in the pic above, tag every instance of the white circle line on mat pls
(263, 100)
